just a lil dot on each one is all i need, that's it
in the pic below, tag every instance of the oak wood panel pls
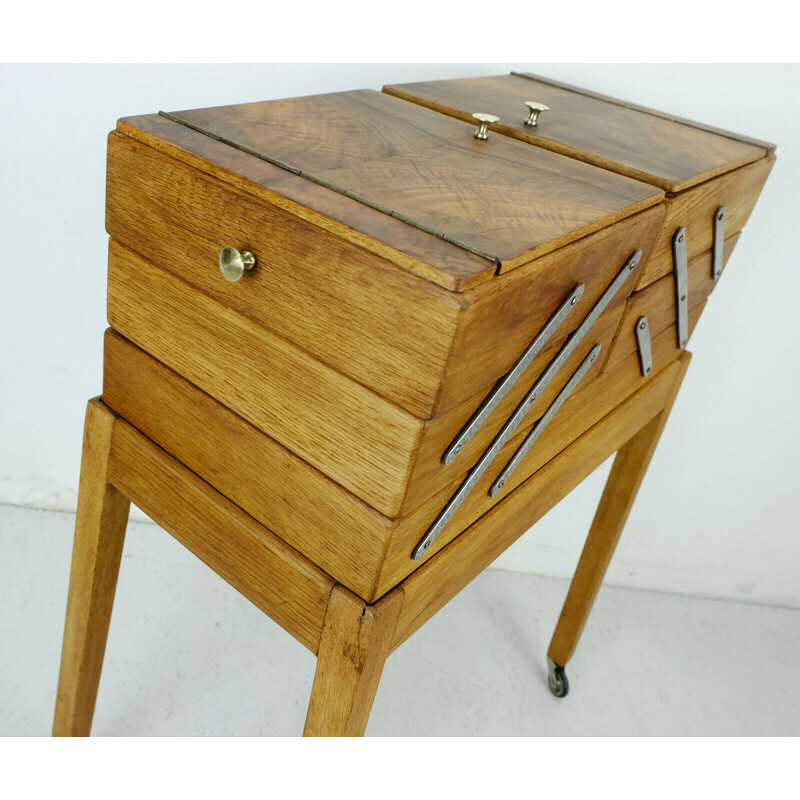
(357, 438)
(695, 208)
(409, 248)
(768, 146)
(622, 486)
(497, 197)
(355, 642)
(434, 584)
(657, 302)
(333, 528)
(650, 148)
(429, 474)
(582, 410)
(97, 549)
(352, 310)
(268, 572)
(502, 317)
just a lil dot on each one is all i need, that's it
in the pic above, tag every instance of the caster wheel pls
(557, 679)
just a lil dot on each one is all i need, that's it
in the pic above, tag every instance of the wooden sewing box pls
(361, 342)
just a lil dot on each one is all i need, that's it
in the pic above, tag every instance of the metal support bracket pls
(681, 285)
(544, 421)
(566, 350)
(719, 243)
(502, 388)
(643, 345)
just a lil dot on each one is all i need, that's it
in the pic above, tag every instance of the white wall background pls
(719, 512)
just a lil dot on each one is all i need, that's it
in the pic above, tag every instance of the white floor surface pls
(188, 656)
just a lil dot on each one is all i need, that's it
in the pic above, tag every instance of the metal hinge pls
(568, 389)
(567, 349)
(492, 400)
(643, 345)
(333, 187)
(718, 247)
(681, 285)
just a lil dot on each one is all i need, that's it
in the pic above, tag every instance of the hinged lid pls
(354, 155)
(663, 150)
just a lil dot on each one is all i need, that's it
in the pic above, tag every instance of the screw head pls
(501, 484)
(683, 297)
(456, 449)
(647, 371)
(642, 326)
(574, 300)
(680, 238)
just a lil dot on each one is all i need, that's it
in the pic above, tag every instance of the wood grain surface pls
(622, 486)
(351, 434)
(767, 146)
(356, 640)
(97, 549)
(694, 209)
(502, 317)
(434, 584)
(269, 573)
(651, 148)
(429, 474)
(495, 197)
(349, 308)
(401, 244)
(657, 302)
(582, 410)
(330, 526)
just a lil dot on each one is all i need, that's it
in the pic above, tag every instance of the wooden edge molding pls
(434, 584)
(273, 576)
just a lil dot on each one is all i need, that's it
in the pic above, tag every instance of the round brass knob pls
(534, 109)
(233, 263)
(484, 121)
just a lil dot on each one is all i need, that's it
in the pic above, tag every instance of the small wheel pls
(557, 679)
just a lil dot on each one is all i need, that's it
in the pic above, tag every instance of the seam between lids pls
(642, 110)
(335, 188)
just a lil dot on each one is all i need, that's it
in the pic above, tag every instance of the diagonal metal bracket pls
(544, 421)
(502, 388)
(567, 349)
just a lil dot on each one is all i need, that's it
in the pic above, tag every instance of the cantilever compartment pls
(428, 319)
(378, 230)
(699, 167)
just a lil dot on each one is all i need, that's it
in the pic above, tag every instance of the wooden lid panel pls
(632, 141)
(498, 199)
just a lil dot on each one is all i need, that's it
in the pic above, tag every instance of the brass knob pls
(484, 121)
(534, 109)
(233, 263)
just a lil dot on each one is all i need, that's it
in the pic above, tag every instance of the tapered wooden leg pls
(620, 491)
(97, 549)
(356, 639)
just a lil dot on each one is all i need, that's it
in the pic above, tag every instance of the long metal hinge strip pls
(567, 349)
(680, 272)
(718, 247)
(333, 187)
(492, 400)
(544, 421)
